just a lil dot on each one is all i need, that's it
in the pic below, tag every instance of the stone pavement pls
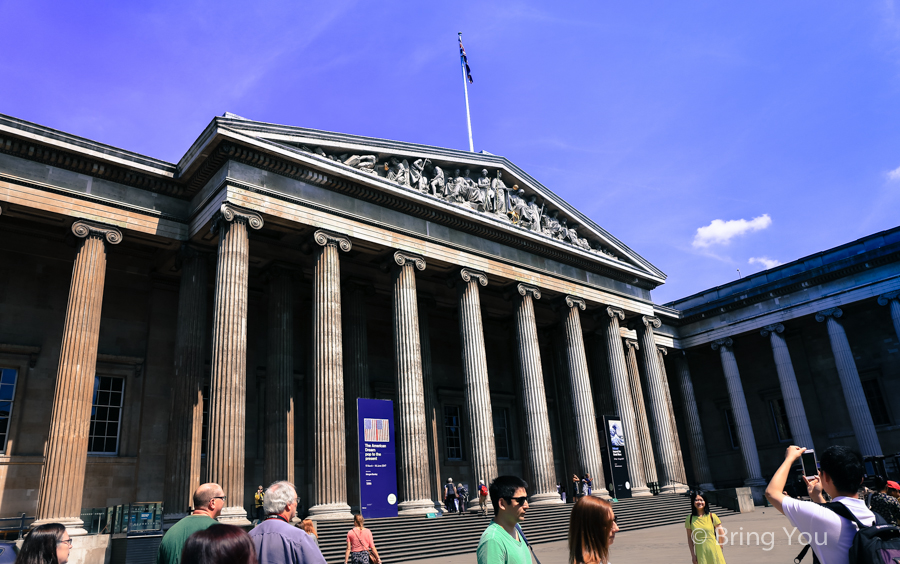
(669, 543)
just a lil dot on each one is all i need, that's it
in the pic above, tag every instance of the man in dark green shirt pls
(209, 499)
(501, 543)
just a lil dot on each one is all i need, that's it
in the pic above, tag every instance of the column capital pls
(467, 274)
(649, 320)
(774, 328)
(402, 257)
(575, 301)
(834, 312)
(331, 239)
(885, 299)
(662, 350)
(615, 312)
(230, 213)
(629, 343)
(83, 228)
(725, 343)
(525, 289)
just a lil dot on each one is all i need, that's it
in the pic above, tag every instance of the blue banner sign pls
(377, 458)
(619, 486)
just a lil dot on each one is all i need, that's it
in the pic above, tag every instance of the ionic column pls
(538, 446)
(790, 391)
(696, 443)
(228, 372)
(893, 300)
(186, 418)
(640, 413)
(279, 462)
(483, 454)
(621, 389)
(680, 476)
(740, 412)
(356, 374)
(330, 479)
(415, 486)
(433, 420)
(663, 439)
(860, 417)
(62, 481)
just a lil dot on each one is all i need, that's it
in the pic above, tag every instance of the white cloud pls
(894, 174)
(765, 261)
(722, 232)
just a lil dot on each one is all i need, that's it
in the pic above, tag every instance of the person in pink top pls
(360, 544)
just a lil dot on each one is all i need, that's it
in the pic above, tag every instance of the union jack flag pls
(377, 430)
(465, 60)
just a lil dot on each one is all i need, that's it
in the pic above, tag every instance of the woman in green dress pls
(704, 532)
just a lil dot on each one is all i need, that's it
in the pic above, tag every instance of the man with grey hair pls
(277, 541)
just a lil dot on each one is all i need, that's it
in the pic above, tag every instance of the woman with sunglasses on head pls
(704, 532)
(45, 544)
(592, 530)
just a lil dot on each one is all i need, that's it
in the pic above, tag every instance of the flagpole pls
(462, 65)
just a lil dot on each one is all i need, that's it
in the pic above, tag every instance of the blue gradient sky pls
(654, 118)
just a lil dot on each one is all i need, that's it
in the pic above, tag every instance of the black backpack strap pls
(802, 554)
(845, 512)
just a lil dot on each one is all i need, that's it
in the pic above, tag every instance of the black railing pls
(12, 528)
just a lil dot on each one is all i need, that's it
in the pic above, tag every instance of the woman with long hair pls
(219, 544)
(592, 529)
(45, 544)
(360, 544)
(309, 528)
(704, 532)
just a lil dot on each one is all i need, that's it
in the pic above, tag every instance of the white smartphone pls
(810, 464)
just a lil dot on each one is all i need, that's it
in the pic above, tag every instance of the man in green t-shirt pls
(501, 543)
(209, 499)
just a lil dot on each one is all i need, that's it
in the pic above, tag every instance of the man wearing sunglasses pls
(209, 499)
(501, 543)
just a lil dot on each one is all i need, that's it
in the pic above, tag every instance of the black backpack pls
(871, 545)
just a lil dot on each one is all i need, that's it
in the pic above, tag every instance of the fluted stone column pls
(62, 481)
(661, 428)
(640, 412)
(483, 454)
(415, 487)
(186, 418)
(228, 373)
(433, 420)
(621, 389)
(330, 478)
(860, 417)
(790, 391)
(538, 446)
(893, 300)
(356, 374)
(680, 476)
(279, 463)
(694, 428)
(739, 411)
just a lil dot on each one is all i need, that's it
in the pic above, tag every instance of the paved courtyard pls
(669, 543)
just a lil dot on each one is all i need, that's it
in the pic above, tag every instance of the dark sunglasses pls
(519, 500)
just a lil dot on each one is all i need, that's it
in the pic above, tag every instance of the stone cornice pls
(526, 289)
(83, 228)
(402, 257)
(575, 301)
(724, 344)
(774, 328)
(885, 299)
(833, 312)
(467, 274)
(326, 238)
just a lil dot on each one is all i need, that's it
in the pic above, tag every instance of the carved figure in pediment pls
(454, 190)
(500, 195)
(474, 196)
(531, 214)
(398, 171)
(417, 174)
(484, 185)
(365, 163)
(516, 205)
(437, 183)
(552, 228)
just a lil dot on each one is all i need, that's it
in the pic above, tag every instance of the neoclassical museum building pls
(163, 325)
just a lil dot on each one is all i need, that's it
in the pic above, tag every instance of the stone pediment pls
(480, 185)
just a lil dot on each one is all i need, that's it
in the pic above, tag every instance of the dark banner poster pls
(377, 458)
(618, 467)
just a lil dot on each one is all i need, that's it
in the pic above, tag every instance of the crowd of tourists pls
(863, 523)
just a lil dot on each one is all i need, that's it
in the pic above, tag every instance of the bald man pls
(209, 499)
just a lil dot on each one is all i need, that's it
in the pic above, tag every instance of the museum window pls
(8, 377)
(106, 415)
(732, 429)
(875, 399)
(501, 433)
(782, 427)
(452, 432)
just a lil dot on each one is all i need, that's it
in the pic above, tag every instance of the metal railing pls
(12, 528)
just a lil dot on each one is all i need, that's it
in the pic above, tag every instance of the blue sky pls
(702, 134)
